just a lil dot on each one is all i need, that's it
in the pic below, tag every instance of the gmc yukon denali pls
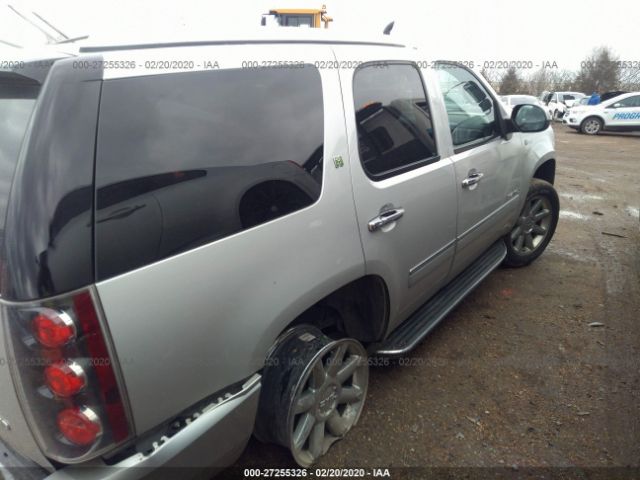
(205, 240)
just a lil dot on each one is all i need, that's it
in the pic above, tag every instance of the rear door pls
(485, 163)
(404, 191)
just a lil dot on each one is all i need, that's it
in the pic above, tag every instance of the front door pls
(484, 162)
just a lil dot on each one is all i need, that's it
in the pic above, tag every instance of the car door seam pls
(423, 263)
(488, 217)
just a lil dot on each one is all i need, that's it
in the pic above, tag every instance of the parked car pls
(576, 104)
(515, 100)
(618, 114)
(558, 102)
(194, 255)
(580, 102)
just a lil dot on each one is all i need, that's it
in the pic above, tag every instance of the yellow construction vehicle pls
(297, 17)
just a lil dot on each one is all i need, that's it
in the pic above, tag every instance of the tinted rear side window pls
(17, 100)
(395, 130)
(189, 158)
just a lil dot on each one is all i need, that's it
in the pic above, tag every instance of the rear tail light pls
(66, 377)
(53, 328)
(80, 425)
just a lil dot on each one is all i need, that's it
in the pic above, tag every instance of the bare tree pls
(630, 78)
(547, 80)
(538, 82)
(562, 80)
(493, 76)
(510, 83)
(600, 71)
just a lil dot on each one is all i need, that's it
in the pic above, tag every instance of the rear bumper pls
(213, 440)
(14, 466)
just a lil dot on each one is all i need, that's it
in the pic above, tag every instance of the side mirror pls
(529, 118)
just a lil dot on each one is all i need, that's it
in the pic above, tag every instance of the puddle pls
(572, 215)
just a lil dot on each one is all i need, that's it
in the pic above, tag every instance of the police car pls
(621, 113)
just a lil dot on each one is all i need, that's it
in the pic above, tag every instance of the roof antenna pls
(61, 36)
(50, 38)
(65, 37)
(72, 40)
(9, 43)
(388, 28)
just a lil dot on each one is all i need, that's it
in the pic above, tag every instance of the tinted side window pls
(630, 102)
(395, 130)
(469, 106)
(49, 232)
(16, 105)
(298, 20)
(186, 159)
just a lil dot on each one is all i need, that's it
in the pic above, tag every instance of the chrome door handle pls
(385, 218)
(472, 179)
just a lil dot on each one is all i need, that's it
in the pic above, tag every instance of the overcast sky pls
(545, 30)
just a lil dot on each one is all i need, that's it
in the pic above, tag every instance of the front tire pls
(591, 126)
(535, 227)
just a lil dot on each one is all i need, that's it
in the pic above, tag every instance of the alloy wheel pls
(592, 126)
(328, 399)
(532, 227)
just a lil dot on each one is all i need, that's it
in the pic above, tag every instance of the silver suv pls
(205, 240)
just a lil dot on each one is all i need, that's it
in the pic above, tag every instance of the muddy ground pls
(516, 376)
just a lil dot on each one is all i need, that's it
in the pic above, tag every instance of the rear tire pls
(535, 227)
(313, 392)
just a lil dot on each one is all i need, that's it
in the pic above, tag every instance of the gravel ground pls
(520, 375)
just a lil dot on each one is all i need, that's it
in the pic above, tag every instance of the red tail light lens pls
(66, 376)
(65, 379)
(53, 329)
(80, 425)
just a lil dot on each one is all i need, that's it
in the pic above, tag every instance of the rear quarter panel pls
(190, 325)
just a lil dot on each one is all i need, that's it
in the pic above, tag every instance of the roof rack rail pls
(202, 43)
